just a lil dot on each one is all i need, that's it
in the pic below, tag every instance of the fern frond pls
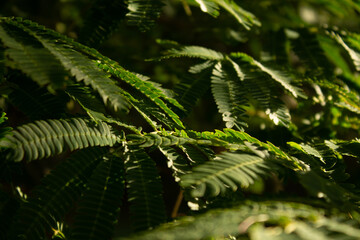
(143, 13)
(236, 79)
(102, 21)
(177, 162)
(229, 95)
(55, 195)
(201, 67)
(194, 52)
(245, 18)
(190, 141)
(198, 154)
(320, 185)
(247, 216)
(276, 75)
(80, 66)
(227, 170)
(88, 101)
(144, 191)
(307, 149)
(43, 139)
(96, 74)
(150, 99)
(31, 58)
(84, 69)
(191, 88)
(340, 96)
(209, 7)
(352, 48)
(93, 107)
(99, 205)
(326, 176)
(227, 137)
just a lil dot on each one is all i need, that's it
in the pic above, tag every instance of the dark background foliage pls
(140, 47)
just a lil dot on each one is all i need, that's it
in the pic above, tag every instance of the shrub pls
(255, 136)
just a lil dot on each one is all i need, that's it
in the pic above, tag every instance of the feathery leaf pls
(31, 57)
(43, 139)
(227, 170)
(276, 75)
(144, 190)
(144, 13)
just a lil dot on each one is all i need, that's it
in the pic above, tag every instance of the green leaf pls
(353, 48)
(230, 95)
(227, 170)
(307, 149)
(243, 17)
(31, 57)
(194, 52)
(177, 162)
(144, 191)
(43, 139)
(276, 75)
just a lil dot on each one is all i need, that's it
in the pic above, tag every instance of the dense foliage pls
(210, 119)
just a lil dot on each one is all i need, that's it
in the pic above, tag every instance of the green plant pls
(286, 90)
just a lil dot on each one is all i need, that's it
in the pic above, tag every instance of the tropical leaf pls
(227, 170)
(209, 7)
(322, 186)
(352, 47)
(177, 162)
(229, 95)
(191, 88)
(230, 138)
(31, 57)
(96, 74)
(55, 195)
(197, 154)
(43, 139)
(194, 52)
(80, 66)
(341, 97)
(144, 190)
(245, 18)
(276, 75)
(99, 205)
